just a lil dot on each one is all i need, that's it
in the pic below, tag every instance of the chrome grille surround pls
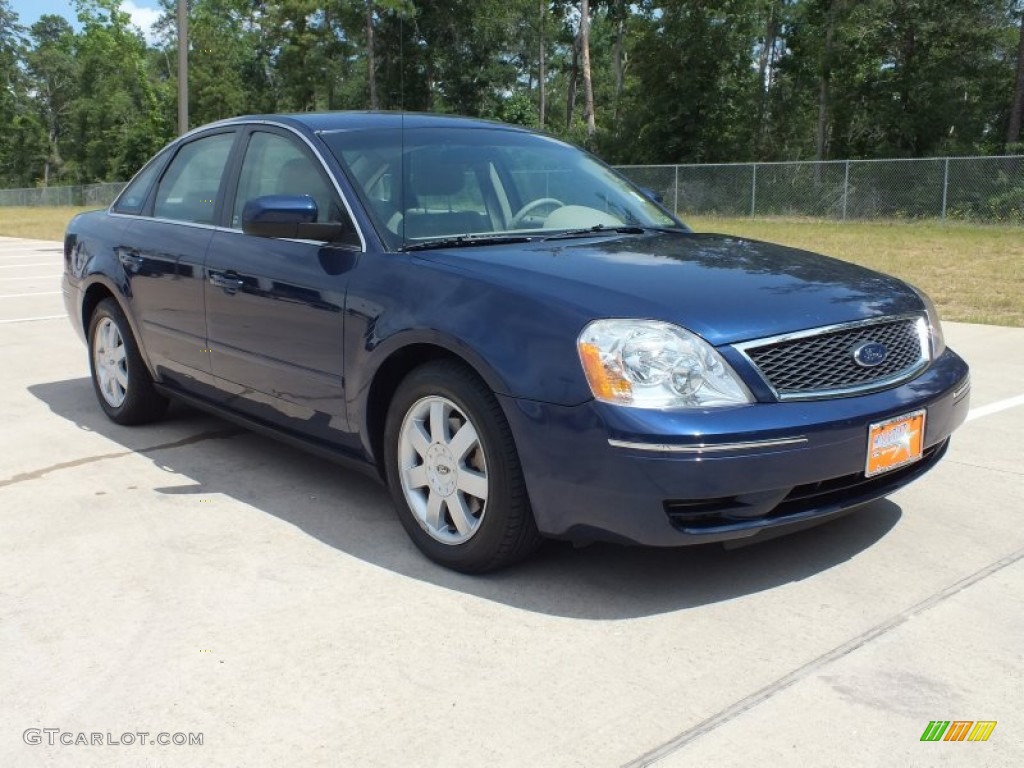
(818, 363)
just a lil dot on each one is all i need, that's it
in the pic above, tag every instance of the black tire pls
(141, 403)
(506, 530)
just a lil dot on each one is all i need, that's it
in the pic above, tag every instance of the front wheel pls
(454, 473)
(119, 376)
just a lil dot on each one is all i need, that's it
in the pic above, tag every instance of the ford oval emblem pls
(869, 354)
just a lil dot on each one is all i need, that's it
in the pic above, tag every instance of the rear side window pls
(188, 189)
(134, 196)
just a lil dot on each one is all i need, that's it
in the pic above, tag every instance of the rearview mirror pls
(656, 197)
(287, 216)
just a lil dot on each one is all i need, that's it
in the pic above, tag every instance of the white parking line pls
(9, 257)
(23, 266)
(31, 319)
(996, 407)
(34, 277)
(20, 295)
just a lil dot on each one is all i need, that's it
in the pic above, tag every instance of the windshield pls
(438, 184)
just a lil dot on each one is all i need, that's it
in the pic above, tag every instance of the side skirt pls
(319, 448)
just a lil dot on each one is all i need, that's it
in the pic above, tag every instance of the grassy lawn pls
(974, 273)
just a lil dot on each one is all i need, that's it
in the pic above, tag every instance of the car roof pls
(335, 121)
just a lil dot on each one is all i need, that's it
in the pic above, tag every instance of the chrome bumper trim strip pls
(706, 447)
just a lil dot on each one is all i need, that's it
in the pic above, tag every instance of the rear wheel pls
(123, 386)
(454, 473)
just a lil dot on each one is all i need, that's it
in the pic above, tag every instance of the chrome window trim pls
(707, 447)
(242, 125)
(875, 386)
(162, 220)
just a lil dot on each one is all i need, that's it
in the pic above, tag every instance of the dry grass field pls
(975, 273)
(36, 222)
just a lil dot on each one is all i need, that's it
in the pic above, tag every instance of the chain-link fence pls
(988, 189)
(86, 195)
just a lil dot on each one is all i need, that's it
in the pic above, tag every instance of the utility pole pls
(182, 66)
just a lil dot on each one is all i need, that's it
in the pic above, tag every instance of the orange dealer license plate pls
(895, 443)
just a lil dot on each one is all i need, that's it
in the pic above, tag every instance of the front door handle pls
(229, 282)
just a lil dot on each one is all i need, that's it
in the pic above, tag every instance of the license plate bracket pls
(895, 443)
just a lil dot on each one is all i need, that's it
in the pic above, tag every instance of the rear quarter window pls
(133, 199)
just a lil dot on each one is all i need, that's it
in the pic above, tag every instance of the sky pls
(144, 13)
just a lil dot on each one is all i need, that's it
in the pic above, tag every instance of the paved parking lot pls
(191, 577)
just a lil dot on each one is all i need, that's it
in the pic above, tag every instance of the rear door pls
(274, 307)
(162, 250)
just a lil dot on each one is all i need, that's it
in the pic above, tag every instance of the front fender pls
(522, 344)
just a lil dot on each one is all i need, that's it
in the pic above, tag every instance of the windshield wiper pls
(465, 241)
(605, 229)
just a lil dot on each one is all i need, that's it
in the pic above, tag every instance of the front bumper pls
(662, 478)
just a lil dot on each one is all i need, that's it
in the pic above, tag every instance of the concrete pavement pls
(191, 577)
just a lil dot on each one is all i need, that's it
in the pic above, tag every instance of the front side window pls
(276, 165)
(188, 190)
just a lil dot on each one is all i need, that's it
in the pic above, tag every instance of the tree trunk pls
(588, 84)
(574, 73)
(617, 57)
(765, 70)
(542, 106)
(371, 61)
(821, 136)
(1013, 131)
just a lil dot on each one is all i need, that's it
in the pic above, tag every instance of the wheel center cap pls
(442, 471)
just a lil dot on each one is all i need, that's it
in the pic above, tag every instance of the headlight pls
(650, 364)
(935, 336)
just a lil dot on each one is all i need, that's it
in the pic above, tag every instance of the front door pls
(274, 308)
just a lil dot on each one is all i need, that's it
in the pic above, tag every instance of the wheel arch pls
(98, 288)
(388, 376)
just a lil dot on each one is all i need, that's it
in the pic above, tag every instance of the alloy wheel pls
(443, 469)
(111, 362)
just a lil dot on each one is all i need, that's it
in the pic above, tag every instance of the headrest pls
(295, 178)
(436, 174)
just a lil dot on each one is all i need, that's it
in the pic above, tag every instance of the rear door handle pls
(229, 282)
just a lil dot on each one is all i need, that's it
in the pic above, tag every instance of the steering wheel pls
(530, 207)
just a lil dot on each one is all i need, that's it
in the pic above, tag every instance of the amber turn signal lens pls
(606, 384)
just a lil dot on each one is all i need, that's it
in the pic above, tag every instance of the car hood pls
(723, 288)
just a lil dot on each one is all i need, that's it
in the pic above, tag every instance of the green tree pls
(19, 139)
(51, 67)
(116, 120)
(1016, 119)
(684, 103)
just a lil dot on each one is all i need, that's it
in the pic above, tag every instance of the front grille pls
(821, 363)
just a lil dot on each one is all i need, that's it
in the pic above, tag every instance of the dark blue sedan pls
(516, 340)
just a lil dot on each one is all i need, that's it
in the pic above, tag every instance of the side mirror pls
(653, 195)
(287, 216)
